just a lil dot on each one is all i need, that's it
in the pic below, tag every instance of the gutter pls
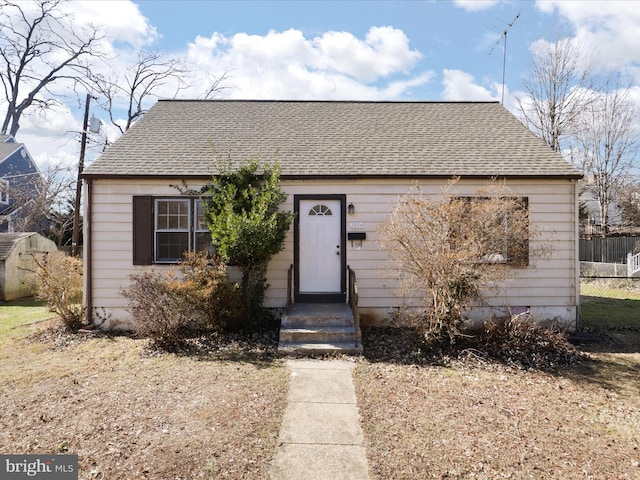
(283, 176)
(88, 279)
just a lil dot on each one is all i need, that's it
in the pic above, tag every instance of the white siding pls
(548, 288)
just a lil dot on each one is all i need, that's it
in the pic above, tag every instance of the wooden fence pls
(609, 249)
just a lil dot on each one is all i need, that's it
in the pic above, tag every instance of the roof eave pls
(99, 176)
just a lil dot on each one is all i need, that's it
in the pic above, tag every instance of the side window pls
(201, 234)
(172, 226)
(166, 227)
(4, 194)
(506, 251)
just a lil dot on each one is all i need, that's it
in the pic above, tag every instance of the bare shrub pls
(58, 278)
(524, 342)
(448, 249)
(214, 300)
(156, 306)
(164, 304)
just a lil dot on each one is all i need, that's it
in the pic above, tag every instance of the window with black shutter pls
(166, 227)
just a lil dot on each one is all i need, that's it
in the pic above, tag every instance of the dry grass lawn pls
(490, 422)
(134, 414)
(129, 414)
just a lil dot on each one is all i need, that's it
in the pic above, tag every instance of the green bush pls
(247, 226)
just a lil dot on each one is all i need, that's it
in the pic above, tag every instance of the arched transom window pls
(320, 210)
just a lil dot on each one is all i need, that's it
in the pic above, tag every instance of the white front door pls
(320, 265)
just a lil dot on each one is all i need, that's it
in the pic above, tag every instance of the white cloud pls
(401, 87)
(384, 51)
(610, 28)
(288, 65)
(120, 20)
(52, 136)
(277, 65)
(460, 86)
(476, 5)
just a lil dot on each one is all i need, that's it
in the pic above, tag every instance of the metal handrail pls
(289, 288)
(353, 302)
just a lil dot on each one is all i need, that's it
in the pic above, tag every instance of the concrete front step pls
(318, 334)
(319, 329)
(300, 348)
(303, 315)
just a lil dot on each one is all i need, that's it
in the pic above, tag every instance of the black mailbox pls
(357, 236)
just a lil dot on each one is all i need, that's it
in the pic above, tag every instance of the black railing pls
(289, 288)
(353, 302)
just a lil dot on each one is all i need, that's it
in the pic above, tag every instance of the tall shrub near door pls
(247, 226)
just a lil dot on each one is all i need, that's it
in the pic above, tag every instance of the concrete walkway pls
(320, 437)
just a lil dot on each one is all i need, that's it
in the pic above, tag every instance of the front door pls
(320, 249)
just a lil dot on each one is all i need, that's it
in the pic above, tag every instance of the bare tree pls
(606, 144)
(559, 85)
(216, 86)
(141, 81)
(38, 48)
(629, 202)
(36, 198)
(134, 86)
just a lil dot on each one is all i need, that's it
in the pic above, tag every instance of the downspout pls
(88, 283)
(576, 252)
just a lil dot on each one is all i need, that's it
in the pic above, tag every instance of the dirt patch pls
(212, 410)
(484, 420)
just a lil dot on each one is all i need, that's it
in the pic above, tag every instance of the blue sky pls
(445, 35)
(336, 50)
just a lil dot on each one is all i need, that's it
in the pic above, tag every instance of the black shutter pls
(519, 254)
(142, 230)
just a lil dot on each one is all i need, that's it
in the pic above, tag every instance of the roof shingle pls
(332, 138)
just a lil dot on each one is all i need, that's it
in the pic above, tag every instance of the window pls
(320, 210)
(4, 195)
(179, 227)
(166, 227)
(202, 235)
(172, 229)
(509, 246)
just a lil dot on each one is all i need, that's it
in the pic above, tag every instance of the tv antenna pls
(504, 56)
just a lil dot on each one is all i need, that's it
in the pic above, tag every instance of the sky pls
(421, 50)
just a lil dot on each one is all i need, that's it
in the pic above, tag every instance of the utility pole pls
(76, 208)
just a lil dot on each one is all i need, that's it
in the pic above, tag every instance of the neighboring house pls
(16, 265)
(20, 179)
(343, 164)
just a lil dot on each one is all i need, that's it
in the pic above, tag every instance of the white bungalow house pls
(343, 164)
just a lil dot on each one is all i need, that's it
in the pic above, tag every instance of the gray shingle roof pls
(7, 149)
(9, 240)
(332, 138)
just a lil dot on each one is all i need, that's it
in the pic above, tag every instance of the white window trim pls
(192, 228)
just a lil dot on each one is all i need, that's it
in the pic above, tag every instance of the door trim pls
(341, 296)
